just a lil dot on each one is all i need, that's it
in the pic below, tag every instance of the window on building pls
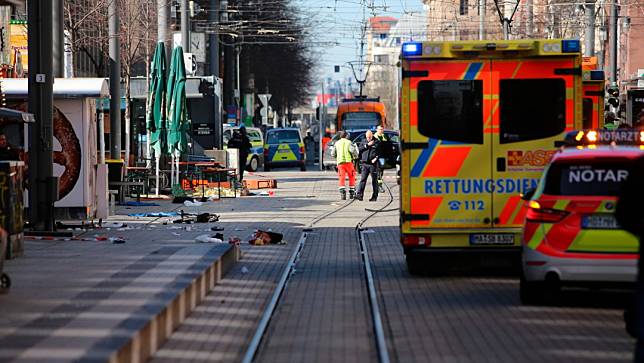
(463, 7)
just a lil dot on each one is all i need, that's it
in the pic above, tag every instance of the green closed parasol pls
(177, 110)
(155, 111)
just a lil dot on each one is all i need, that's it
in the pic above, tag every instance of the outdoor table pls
(219, 172)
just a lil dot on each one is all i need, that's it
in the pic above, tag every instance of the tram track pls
(289, 269)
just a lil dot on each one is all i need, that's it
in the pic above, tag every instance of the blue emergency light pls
(412, 49)
(570, 46)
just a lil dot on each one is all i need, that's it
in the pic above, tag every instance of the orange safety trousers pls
(346, 170)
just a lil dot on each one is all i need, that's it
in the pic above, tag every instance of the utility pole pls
(162, 22)
(322, 128)
(589, 35)
(41, 103)
(58, 38)
(115, 81)
(213, 17)
(185, 26)
(613, 43)
(482, 19)
(530, 23)
(238, 84)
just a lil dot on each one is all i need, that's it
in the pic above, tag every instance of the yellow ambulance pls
(479, 122)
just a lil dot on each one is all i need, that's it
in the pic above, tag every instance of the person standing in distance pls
(240, 141)
(383, 141)
(368, 152)
(342, 152)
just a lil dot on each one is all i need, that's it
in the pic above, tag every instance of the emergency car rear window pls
(603, 178)
(531, 109)
(283, 137)
(451, 110)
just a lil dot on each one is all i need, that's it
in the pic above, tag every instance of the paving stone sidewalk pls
(69, 296)
(479, 318)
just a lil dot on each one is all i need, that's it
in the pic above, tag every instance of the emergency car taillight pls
(544, 215)
(302, 150)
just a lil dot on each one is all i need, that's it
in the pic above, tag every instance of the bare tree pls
(86, 30)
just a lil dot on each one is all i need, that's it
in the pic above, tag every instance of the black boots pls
(343, 194)
(352, 193)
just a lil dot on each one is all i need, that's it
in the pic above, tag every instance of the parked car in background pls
(256, 156)
(284, 147)
(357, 136)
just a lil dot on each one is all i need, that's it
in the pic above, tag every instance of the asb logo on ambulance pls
(518, 159)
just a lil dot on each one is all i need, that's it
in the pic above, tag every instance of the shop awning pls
(63, 87)
(13, 115)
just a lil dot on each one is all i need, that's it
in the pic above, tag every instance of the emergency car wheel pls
(253, 165)
(538, 292)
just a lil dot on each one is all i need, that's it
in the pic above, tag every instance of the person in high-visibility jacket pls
(380, 135)
(343, 152)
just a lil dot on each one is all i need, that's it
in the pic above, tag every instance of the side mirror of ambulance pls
(528, 194)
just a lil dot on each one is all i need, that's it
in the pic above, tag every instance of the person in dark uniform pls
(368, 152)
(240, 141)
(7, 152)
(630, 215)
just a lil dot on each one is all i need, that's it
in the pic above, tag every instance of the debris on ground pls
(154, 214)
(244, 270)
(195, 203)
(140, 204)
(217, 228)
(234, 240)
(197, 218)
(204, 238)
(117, 240)
(266, 237)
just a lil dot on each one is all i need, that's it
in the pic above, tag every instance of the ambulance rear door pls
(533, 105)
(446, 152)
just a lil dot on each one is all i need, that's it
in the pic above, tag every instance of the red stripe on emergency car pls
(520, 217)
(508, 209)
(424, 205)
(446, 161)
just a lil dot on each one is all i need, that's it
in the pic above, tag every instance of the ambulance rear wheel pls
(415, 264)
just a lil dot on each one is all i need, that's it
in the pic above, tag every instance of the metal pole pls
(162, 22)
(41, 103)
(185, 26)
(115, 81)
(613, 43)
(58, 38)
(213, 17)
(589, 35)
(321, 132)
(238, 83)
(481, 19)
(530, 23)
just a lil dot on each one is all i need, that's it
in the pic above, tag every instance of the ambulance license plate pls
(491, 239)
(599, 221)
(284, 150)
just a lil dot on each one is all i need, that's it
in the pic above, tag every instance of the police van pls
(479, 121)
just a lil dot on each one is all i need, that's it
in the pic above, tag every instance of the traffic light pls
(613, 96)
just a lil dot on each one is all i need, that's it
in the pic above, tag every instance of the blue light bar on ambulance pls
(412, 49)
(605, 137)
(570, 46)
